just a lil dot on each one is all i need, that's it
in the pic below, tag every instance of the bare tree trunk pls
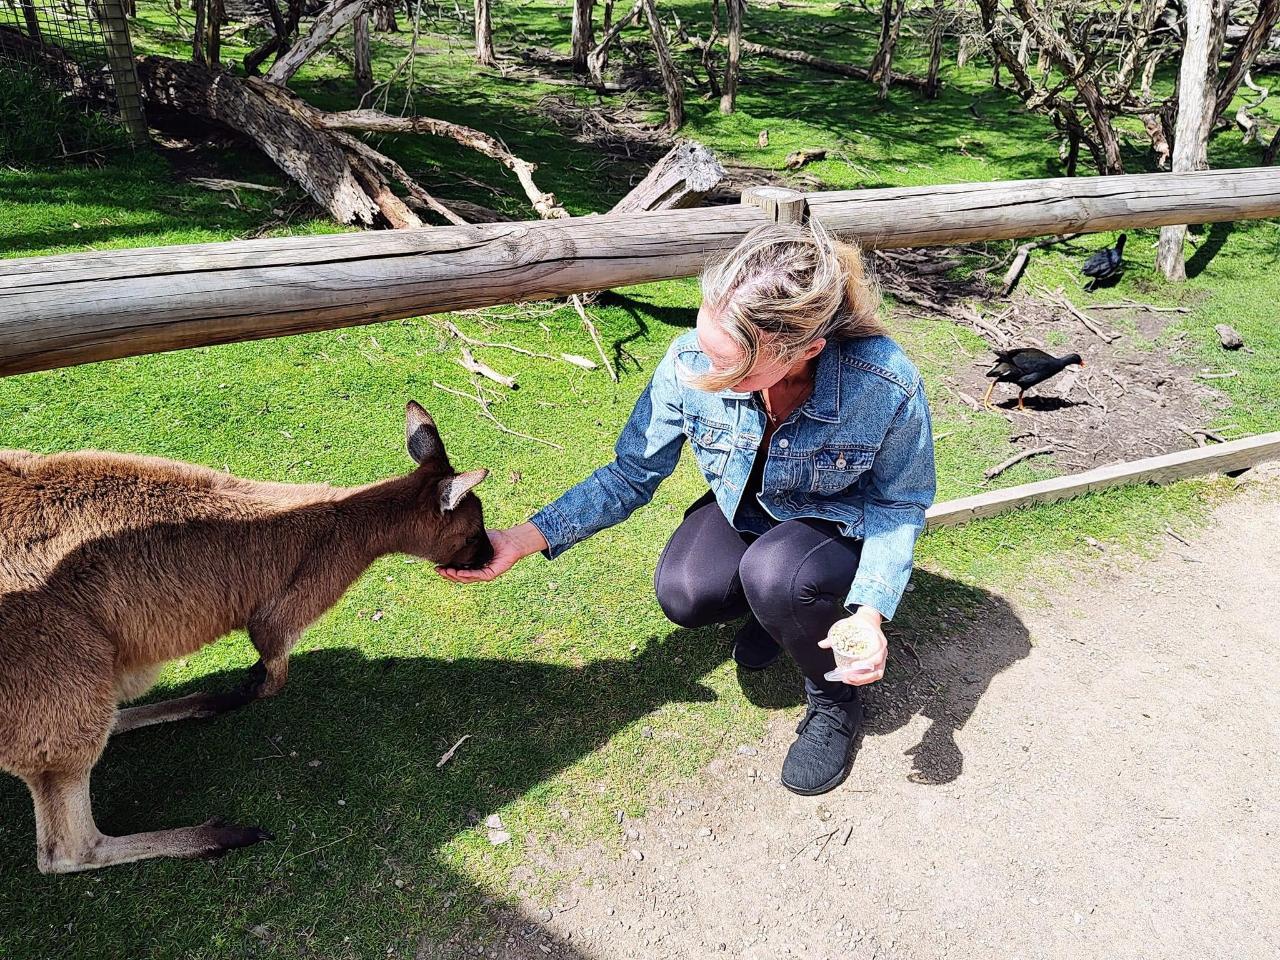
(484, 35)
(1159, 143)
(332, 19)
(32, 20)
(734, 10)
(384, 17)
(214, 15)
(708, 56)
(598, 58)
(1149, 72)
(1246, 53)
(197, 37)
(1197, 100)
(672, 81)
(1073, 151)
(1269, 155)
(363, 59)
(1075, 64)
(581, 34)
(882, 66)
(936, 30)
(886, 18)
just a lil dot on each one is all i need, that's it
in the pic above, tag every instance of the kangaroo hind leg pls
(68, 840)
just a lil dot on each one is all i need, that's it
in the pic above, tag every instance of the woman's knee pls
(788, 576)
(686, 599)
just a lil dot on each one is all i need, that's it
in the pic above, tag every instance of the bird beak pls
(1081, 364)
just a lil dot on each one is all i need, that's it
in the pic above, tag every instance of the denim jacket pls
(858, 452)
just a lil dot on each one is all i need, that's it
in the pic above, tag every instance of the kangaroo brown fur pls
(111, 565)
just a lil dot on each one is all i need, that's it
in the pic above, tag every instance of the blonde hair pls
(793, 283)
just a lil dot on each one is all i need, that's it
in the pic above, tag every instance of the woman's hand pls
(510, 546)
(870, 669)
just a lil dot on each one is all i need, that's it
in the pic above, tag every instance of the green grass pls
(37, 124)
(579, 698)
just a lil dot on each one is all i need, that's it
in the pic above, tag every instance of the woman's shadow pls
(946, 644)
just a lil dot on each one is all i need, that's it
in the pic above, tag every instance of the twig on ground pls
(1218, 376)
(1075, 311)
(448, 754)
(471, 364)
(822, 836)
(595, 336)
(1020, 260)
(1018, 458)
(572, 358)
(479, 398)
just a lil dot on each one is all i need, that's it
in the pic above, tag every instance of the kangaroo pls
(111, 565)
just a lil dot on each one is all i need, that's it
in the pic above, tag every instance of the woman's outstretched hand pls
(870, 668)
(510, 546)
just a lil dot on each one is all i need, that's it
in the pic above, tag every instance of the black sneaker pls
(753, 648)
(819, 759)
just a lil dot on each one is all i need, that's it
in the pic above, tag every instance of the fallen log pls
(343, 174)
(306, 154)
(682, 178)
(817, 63)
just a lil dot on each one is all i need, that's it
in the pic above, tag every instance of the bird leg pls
(986, 400)
(1021, 405)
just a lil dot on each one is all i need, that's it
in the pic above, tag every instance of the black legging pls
(793, 579)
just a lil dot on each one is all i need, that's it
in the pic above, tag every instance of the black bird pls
(1026, 367)
(1105, 263)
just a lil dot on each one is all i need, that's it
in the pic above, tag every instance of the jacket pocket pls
(836, 469)
(711, 442)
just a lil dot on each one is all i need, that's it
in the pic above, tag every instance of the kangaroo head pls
(446, 525)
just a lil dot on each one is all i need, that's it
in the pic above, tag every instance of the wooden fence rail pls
(78, 308)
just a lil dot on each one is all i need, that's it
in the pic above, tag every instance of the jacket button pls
(784, 443)
(840, 463)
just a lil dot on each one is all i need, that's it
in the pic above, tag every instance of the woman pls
(812, 430)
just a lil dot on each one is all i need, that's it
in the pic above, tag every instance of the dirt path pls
(1109, 791)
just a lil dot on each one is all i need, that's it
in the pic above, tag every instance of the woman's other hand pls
(510, 546)
(867, 622)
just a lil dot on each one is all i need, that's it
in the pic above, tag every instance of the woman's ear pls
(815, 348)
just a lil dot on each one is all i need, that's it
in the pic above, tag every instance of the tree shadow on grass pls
(343, 767)
(1213, 240)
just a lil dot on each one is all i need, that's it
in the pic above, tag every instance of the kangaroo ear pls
(423, 437)
(453, 489)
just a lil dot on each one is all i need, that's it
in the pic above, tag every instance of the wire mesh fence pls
(61, 57)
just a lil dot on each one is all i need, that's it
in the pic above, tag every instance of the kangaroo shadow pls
(361, 738)
(344, 765)
(946, 644)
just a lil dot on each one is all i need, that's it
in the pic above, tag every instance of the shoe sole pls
(830, 785)
(756, 667)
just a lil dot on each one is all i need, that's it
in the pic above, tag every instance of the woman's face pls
(723, 353)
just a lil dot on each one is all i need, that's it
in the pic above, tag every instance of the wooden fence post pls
(781, 204)
(115, 34)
